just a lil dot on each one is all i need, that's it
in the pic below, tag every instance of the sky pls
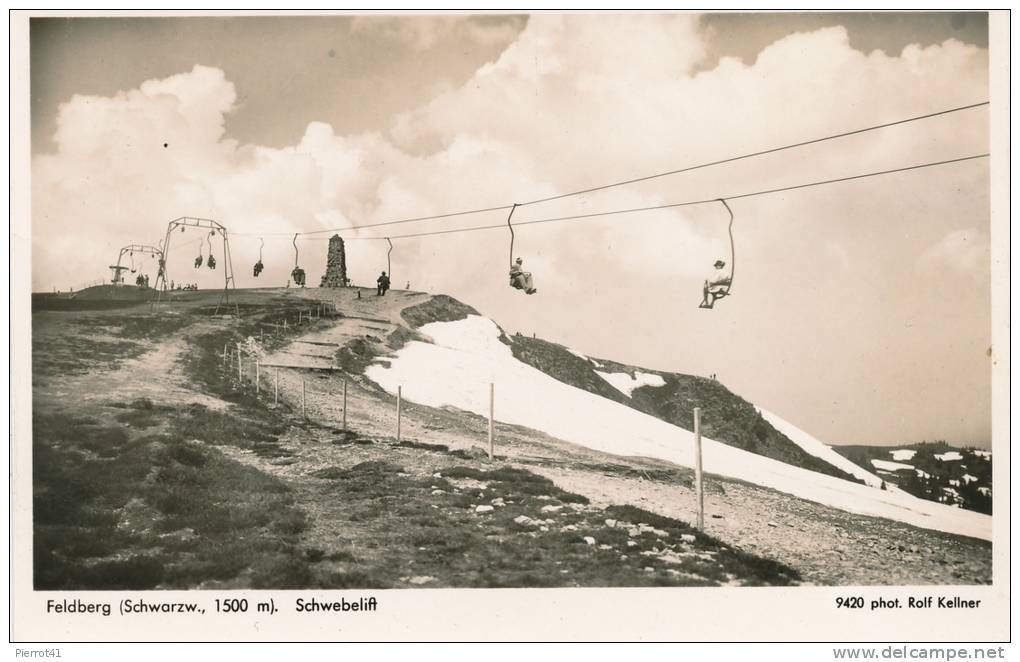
(860, 311)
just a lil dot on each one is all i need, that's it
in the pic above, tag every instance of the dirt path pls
(827, 545)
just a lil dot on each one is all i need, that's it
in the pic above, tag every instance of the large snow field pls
(810, 444)
(466, 356)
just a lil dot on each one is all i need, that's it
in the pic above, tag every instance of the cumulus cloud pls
(424, 32)
(574, 101)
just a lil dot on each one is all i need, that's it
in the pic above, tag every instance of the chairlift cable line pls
(749, 155)
(690, 202)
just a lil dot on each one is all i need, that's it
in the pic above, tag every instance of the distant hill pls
(672, 397)
(100, 297)
(935, 471)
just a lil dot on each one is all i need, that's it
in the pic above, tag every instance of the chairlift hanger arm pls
(733, 246)
(510, 225)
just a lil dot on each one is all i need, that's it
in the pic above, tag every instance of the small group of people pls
(142, 281)
(182, 286)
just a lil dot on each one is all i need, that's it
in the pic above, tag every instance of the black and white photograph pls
(334, 312)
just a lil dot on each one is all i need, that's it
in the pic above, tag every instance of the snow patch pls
(626, 384)
(467, 356)
(890, 466)
(576, 353)
(967, 478)
(903, 455)
(813, 446)
(950, 456)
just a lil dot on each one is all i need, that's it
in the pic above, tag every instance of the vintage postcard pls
(510, 326)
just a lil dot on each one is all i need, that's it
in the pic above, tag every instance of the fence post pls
(299, 317)
(699, 485)
(345, 405)
(240, 365)
(284, 324)
(303, 410)
(258, 381)
(399, 393)
(492, 402)
(276, 387)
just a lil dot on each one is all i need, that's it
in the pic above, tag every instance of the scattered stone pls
(484, 509)
(498, 501)
(589, 540)
(543, 528)
(623, 557)
(649, 569)
(437, 492)
(569, 527)
(688, 538)
(523, 520)
(605, 547)
(772, 524)
(551, 509)
(544, 497)
(631, 543)
(421, 579)
(610, 523)
(633, 533)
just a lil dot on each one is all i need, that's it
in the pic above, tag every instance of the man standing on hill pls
(382, 284)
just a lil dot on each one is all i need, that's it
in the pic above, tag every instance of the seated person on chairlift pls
(382, 284)
(521, 279)
(717, 285)
(212, 262)
(198, 262)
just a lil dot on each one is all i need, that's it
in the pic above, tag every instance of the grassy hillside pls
(964, 482)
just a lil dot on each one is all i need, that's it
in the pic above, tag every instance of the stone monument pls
(336, 264)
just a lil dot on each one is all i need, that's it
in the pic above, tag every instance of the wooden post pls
(304, 413)
(258, 374)
(262, 333)
(225, 345)
(399, 389)
(345, 405)
(285, 324)
(276, 387)
(699, 485)
(492, 409)
(240, 366)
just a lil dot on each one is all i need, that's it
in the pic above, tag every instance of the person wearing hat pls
(382, 284)
(716, 285)
(521, 279)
